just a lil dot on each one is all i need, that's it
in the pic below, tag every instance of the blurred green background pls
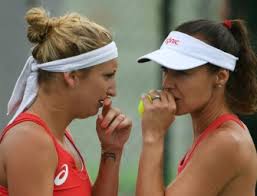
(138, 27)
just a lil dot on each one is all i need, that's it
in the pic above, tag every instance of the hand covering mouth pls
(101, 101)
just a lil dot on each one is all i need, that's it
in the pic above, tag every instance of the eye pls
(181, 72)
(109, 75)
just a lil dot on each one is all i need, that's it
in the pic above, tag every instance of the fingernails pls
(122, 117)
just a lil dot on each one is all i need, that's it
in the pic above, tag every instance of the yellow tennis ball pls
(141, 105)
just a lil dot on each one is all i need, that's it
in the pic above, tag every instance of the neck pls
(53, 111)
(203, 118)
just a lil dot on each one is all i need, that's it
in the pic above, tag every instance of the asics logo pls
(62, 176)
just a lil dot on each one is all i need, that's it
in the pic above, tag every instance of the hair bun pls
(39, 24)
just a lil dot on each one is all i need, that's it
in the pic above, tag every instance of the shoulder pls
(216, 161)
(29, 141)
(235, 141)
(228, 141)
(30, 160)
(228, 148)
(246, 151)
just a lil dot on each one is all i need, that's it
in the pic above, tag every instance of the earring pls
(219, 85)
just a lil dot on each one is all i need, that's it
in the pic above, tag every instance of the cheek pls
(86, 94)
(95, 87)
(194, 96)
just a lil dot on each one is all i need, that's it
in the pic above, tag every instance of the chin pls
(85, 115)
(82, 116)
(92, 113)
(181, 112)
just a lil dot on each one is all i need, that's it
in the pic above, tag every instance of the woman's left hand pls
(113, 127)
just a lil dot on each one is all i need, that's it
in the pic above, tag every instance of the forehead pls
(106, 66)
(203, 70)
(196, 69)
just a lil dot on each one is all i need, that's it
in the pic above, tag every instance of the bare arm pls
(213, 165)
(215, 162)
(113, 129)
(156, 119)
(150, 172)
(30, 161)
(108, 176)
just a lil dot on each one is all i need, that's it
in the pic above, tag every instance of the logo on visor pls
(171, 41)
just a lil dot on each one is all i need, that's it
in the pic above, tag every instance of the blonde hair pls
(66, 36)
(57, 38)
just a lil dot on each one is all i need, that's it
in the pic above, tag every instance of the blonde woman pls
(70, 75)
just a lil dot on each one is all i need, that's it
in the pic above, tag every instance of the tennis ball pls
(141, 105)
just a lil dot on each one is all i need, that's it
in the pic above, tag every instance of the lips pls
(101, 101)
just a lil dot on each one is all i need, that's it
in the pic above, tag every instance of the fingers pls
(169, 96)
(118, 122)
(159, 99)
(126, 123)
(108, 113)
(109, 117)
(155, 95)
(115, 123)
(106, 105)
(147, 100)
(161, 96)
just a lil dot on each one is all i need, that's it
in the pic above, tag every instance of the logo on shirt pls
(62, 175)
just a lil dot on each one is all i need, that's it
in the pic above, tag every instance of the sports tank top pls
(68, 180)
(211, 128)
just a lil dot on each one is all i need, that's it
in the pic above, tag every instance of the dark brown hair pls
(241, 88)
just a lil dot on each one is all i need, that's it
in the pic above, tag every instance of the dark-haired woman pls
(209, 72)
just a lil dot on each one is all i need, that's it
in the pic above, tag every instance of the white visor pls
(180, 51)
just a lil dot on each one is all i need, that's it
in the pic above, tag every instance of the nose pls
(168, 81)
(112, 91)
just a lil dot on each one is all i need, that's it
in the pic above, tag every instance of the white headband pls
(180, 51)
(26, 87)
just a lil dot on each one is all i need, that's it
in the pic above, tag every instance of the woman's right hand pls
(158, 115)
(113, 127)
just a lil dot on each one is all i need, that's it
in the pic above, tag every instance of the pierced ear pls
(222, 77)
(71, 79)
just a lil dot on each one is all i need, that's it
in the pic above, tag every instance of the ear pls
(222, 77)
(71, 79)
